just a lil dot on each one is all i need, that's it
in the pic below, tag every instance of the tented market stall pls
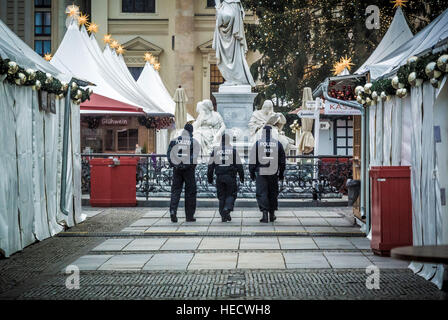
(40, 169)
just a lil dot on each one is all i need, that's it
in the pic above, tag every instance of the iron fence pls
(318, 178)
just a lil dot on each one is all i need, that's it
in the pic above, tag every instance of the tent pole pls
(65, 151)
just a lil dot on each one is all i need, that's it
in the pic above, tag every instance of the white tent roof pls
(13, 48)
(151, 82)
(396, 36)
(430, 36)
(81, 56)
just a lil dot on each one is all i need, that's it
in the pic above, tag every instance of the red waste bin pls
(391, 208)
(113, 183)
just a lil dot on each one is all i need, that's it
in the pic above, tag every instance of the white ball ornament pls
(31, 74)
(442, 63)
(12, 67)
(367, 88)
(395, 82)
(412, 60)
(383, 96)
(375, 95)
(358, 90)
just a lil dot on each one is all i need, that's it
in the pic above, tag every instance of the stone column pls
(185, 49)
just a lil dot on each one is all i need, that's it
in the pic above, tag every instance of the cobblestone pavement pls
(308, 253)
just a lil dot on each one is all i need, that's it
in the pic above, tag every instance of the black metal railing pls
(318, 178)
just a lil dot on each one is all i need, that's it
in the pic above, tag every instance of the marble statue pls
(230, 44)
(208, 127)
(267, 116)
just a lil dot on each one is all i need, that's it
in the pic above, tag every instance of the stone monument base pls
(236, 104)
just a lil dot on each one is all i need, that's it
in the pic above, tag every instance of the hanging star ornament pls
(114, 44)
(48, 56)
(83, 19)
(399, 3)
(341, 65)
(120, 50)
(147, 56)
(72, 11)
(93, 28)
(107, 38)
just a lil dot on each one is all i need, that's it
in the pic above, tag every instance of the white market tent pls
(79, 54)
(402, 133)
(150, 81)
(30, 141)
(396, 36)
(434, 34)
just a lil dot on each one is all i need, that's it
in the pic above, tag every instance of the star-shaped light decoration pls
(72, 11)
(120, 50)
(147, 56)
(156, 66)
(93, 28)
(114, 44)
(399, 3)
(48, 56)
(340, 66)
(83, 19)
(107, 38)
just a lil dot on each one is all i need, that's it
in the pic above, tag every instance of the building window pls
(344, 137)
(136, 72)
(210, 3)
(42, 23)
(216, 80)
(42, 3)
(42, 47)
(127, 139)
(148, 6)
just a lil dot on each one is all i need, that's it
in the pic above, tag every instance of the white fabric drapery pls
(387, 131)
(30, 170)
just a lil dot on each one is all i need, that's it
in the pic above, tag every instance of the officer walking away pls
(226, 163)
(267, 163)
(182, 154)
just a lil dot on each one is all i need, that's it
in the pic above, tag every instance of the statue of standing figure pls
(230, 44)
(208, 127)
(267, 116)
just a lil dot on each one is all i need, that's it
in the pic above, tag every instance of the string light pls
(48, 57)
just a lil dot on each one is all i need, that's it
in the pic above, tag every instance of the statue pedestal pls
(235, 104)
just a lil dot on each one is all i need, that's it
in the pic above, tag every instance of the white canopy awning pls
(396, 36)
(433, 34)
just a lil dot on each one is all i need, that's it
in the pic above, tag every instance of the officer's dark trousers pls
(267, 192)
(227, 190)
(181, 176)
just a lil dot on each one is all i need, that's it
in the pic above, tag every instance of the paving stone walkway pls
(135, 253)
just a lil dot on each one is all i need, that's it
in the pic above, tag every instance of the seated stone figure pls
(267, 116)
(208, 127)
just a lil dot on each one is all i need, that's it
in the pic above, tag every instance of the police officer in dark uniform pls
(182, 154)
(226, 163)
(267, 163)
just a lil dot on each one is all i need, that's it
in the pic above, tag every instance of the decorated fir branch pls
(39, 80)
(417, 70)
(156, 122)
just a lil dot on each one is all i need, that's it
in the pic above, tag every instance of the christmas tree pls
(301, 40)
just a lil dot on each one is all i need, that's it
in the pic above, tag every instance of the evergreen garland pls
(40, 81)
